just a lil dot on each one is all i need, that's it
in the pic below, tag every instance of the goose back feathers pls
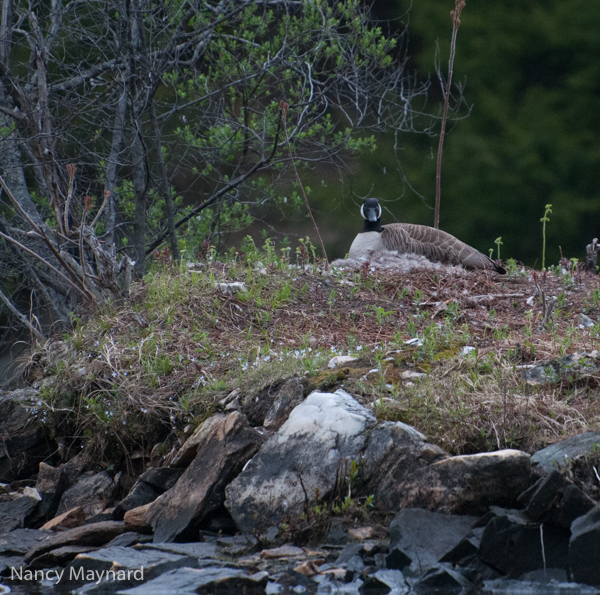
(404, 238)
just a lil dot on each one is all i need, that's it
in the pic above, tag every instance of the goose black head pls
(371, 213)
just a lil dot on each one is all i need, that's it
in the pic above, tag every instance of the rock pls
(141, 493)
(397, 559)
(512, 544)
(443, 581)
(134, 519)
(304, 458)
(7, 563)
(285, 551)
(393, 580)
(308, 568)
(557, 501)
(50, 483)
(560, 453)
(289, 395)
(198, 550)
(126, 561)
(468, 484)
(187, 453)
(161, 478)
(424, 536)
(20, 541)
(14, 513)
(75, 517)
(585, 321)
(231, 288)
(569, 369)
(201, 488)
(584, 548)
(190, 581)
(60, 556)
(92, 492)
(361, 533)
(129, 538)
(340, 360)
(465, 549)
(393, 452)
(23, 445)
(96, 534)
(349, 552)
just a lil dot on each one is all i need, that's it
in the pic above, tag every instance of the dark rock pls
(97, 534)
(426, 536)
(512, 543)
(20, 541)
(338, 534)
(467, 547)
(23, 443)
(50, 483)
(355, 565)
(7, 563)
(191, 581)
(129, 538)
(140, 494)
(161, 478)
(393, 580)
(351, 550)
(546, 575)
(468, 484)
(201, 488)
(198, 550)
(127, 560)
(557, 501)
(397, 559)
(14, 513)
(306, 456)
(443, 581)
(60, 556)
(561, 452)
(92, 492)
(477, 571)
(290, 394)
(393, 452)
(584, 548)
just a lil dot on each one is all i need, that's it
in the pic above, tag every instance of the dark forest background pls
(530, 134)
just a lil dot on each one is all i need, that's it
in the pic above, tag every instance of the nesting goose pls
(402, 238)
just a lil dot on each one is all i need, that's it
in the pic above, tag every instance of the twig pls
(21, 317)
(284, 110)
(455, 14)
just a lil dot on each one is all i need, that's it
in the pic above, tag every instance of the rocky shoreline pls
(296, 498)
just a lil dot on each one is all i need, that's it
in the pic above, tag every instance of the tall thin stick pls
(284, 108)
(455, 14)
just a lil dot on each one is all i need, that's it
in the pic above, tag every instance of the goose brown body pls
(404, 238)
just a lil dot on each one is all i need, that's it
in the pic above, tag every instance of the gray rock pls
(559, 454)
(465, 549)
(201, 488)
(20, 541)
(468, 484)
(60, 556)
(92, 492)
(189, 581)
(321, 435)
(426, 536)
(289, 395)
(129, 538)
(14, 513)
(397, 559)
(7, 563)
(584, 548)
(50, 483)
(161, 478)
(198, 550)
(443, 581)
(569, 369)
(96, 534)
(385, 579)
(350, 551)
(127, 560)
(23, 445)
(512, 544)
(141, 493)
(393, 452)
(557, 501)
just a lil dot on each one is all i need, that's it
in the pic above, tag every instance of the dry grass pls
(151, 370)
